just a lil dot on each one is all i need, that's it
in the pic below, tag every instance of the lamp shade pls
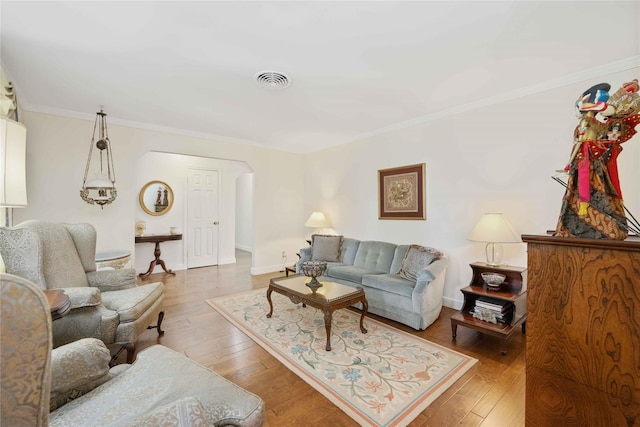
(13, 146)
(317, 220)
(494, 228)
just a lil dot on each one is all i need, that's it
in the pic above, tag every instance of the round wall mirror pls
(156, 198)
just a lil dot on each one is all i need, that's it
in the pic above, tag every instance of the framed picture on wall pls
(401, 192)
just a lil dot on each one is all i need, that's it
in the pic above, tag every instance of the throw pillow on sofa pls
(417, 258)
(326, 248)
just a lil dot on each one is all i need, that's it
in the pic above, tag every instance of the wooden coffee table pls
(329, 298)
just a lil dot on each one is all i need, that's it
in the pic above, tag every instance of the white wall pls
(57, 150)
(494, 159)
(244, 212)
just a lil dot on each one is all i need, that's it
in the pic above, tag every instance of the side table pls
(157, 238)
(59, 302)
(512, 295)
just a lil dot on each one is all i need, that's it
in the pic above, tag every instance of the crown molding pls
(143, 126)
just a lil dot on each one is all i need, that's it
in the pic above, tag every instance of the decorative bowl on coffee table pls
(313, 269)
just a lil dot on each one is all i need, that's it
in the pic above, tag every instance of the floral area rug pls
(385, 377)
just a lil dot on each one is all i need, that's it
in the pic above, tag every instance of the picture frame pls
(402, 192)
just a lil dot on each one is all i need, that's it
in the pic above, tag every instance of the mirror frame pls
(169, 196)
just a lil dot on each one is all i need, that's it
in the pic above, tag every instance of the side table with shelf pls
(513, 292)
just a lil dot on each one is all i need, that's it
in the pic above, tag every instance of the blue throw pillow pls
(326, 248)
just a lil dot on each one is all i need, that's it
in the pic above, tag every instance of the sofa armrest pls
(112, 280)
(305, 255)
(430, 285)
(433, 270)
(77, 368)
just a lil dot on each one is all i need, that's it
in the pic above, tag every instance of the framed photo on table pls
(401, 192)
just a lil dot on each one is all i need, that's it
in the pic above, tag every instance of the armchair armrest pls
(76, 369)
(112, 280)
(83, 296)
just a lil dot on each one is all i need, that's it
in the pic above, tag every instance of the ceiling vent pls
(273, 80)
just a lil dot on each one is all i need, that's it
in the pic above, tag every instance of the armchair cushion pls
(112, 280)
(62, 267)
(131, 303)
(77, 368)
(185, 412)
(159, 378)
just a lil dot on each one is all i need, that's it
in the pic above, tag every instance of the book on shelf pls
(493, 304)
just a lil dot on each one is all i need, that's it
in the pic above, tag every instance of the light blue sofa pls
(373, 265)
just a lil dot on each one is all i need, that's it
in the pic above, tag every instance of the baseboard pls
(230, 260)
(255, 271)
(452, 303)
(244, 248)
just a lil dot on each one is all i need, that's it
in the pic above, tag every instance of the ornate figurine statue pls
(592, 206)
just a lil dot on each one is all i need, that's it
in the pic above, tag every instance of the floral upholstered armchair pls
(72, 385)
(107, 304)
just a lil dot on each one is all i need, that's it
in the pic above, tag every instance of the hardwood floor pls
(489, 394)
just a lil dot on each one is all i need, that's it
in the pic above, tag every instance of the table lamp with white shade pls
(494, 229)
(320, 222)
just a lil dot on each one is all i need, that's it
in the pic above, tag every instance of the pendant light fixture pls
(101, 187)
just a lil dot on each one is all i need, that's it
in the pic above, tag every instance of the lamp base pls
(494, 254)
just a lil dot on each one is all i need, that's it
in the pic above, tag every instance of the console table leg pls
(454, 329)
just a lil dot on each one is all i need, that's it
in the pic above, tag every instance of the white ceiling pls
(358, 68)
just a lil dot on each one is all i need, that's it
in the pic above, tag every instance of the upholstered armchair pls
(107, 304)
(73, 385)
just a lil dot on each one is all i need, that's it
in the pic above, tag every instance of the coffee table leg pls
(270, 303)
(365, 308)
(327, 326)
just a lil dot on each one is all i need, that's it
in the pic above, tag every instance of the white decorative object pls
(141, 226)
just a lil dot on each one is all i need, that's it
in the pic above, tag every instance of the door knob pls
(215, 222)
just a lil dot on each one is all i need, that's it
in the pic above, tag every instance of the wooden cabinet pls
(583, 340)
(513, 293)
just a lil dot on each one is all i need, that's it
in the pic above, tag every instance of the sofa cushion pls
(391, 283)
(349, 250)
(351, 273)
(417, 258)
(401, 251)
(326, 248)
(375, 256)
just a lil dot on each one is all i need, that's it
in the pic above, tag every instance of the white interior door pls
(202, 217)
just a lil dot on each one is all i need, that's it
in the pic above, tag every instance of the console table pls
(157, 239)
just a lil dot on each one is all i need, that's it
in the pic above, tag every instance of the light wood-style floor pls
(490, 394)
